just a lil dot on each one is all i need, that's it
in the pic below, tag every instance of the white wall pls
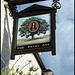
(6, 32)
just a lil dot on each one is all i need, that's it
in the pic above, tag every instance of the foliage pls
(18, 71)
(43, 27)
(33, 69)
(2, 71)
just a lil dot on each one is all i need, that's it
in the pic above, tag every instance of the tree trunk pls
(32, 36)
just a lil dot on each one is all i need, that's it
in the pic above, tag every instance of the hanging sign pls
(34, 31)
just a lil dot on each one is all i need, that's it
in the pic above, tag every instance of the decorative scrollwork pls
(56, 4)
(13, 10)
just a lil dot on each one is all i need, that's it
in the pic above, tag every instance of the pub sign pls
(34, 30)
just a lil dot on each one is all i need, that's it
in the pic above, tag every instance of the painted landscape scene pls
(40, 32)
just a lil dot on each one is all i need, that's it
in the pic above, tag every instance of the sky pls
(63, 62)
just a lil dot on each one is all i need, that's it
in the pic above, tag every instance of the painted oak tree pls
(43, 27)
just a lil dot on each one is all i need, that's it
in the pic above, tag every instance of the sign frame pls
(27, 13)
(19, 2)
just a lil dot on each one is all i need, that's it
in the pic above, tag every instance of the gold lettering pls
(33, 46)
(45, 44)
(48, 44)
(28, 47)
(22, 47)
(17, 47)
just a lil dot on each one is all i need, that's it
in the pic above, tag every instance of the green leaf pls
(21, 73)
(35, 69)
(29, 61)
(2, 71)
(17, 69)
(29, 73)
(12, 69)
(13, 73)
(31, 68)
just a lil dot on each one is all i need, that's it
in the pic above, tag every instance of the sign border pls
(22, 2)
(44, 49)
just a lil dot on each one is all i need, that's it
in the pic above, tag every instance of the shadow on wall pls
(6, 46)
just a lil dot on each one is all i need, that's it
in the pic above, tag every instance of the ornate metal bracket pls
(56, 4)
(13, 10)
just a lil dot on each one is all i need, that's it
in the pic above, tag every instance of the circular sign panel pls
(33, 26)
